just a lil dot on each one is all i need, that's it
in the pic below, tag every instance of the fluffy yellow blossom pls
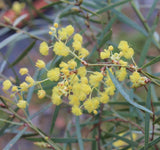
(95, 78)
(53, 74)
(116, 57)
(126, 50)
(72, 64)
(74, 100)
(84, 80)
(23, 71)
(40, 64)
(110, 48)
(6, 85)
(22, 104)
(76, 111)
(83, 53)
(82, 71)
(76, 45)
(123, 45)
(30, 80)
(111, 90)
(135, 77)
(105, 54)
(123, 63)
(24, 86)
(65, 71)
(18, 7)
(61, 49)
(69, 30)
(78, 37)
(62, 34)
(85, 88)
(121, 74)
(41, 94)
(43, 48)
(95, 112)
(63, 65)
(91, 104)
(14, 88)
(56, 99)
(56, 25)
(104, 98)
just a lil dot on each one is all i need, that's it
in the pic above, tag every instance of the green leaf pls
(78, 132)
(147, 118)
(51, 4)
(152, 143)
(55, 115)
(59, 140)
(152, 9)
(104, 9)
(153, 61)
(9, 39)
(125, 95)
(14, 140)
(23, 54)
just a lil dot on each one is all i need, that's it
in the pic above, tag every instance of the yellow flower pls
(123, 63)
(69, 30)
(78, 37)
(14, 88)
(110, 48)
(72, 64)
(84, 80)
(6, 85)
(76, 111)
(121, 74)
(82, 71)
(43, 48)
(22, 104)
(83, 53)
(105, 54)
(23, 71)
(135, 77)
(40, 64)
(56, 25)
(41, 94)
(74, 100)
(18, 7)
(30, 80)
(88, 105)
(61, 49)
(104, 97)
(63, 65)
(62, 34)
(126, 50)
(95, 78)
(76, 45)
(24, 86)
(56, 99)
(53, 74)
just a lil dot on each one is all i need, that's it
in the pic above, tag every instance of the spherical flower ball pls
(69, 30)
(44, 49)
(53, 74)
(41, 94)
(23, 71)
(22, 104)
(40, 64)
(78, 37)
(6, 85)
(76, 111)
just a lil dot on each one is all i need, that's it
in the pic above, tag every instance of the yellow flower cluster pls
(73, 79)
(137, 80)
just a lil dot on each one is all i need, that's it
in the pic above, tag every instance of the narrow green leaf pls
(9, 39)
(78, 131)
(23, 54)
(153, 61)
(59, 140)
(125, 95)
(152, 143)
(147, 118)
(51, 4)
(55, 115)
(100, 39)
(152, 9)
(14, 140)
(104, 9)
